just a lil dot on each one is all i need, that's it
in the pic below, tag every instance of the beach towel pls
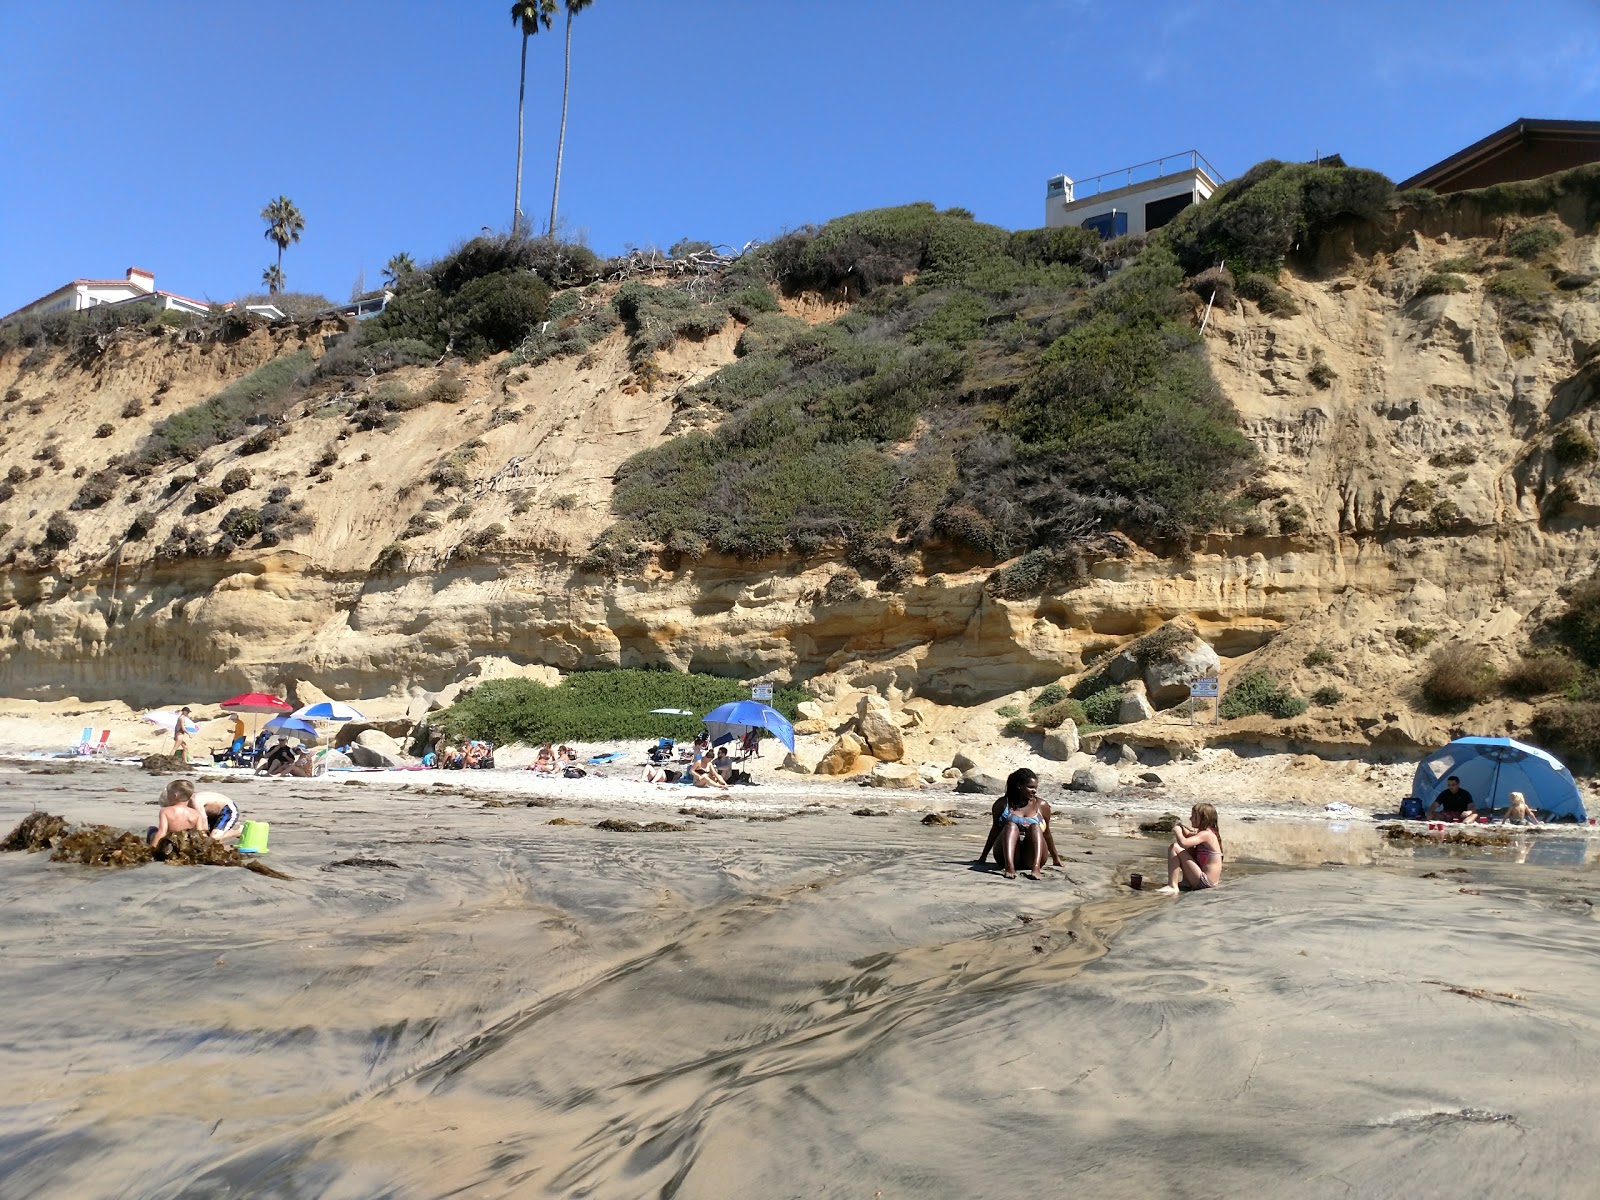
(612, 756)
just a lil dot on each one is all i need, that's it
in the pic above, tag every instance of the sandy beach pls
(465, 987)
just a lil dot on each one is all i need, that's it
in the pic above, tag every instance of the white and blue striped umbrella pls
(328, 710)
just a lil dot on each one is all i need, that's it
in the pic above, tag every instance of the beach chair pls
(103, 746)
(85, 743)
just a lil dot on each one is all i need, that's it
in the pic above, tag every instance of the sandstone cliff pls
(1407, 492)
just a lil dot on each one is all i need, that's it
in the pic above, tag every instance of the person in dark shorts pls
(1453, 804)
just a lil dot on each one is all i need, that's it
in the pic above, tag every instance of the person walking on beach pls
(180, 736)
(1194, 860)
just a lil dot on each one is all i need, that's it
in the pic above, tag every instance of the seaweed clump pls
(37, 831)
(1453, 837)
(616, 825)
(103, 846)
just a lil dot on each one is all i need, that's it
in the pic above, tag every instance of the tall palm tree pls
(273, 278)
(528, 15)
(284, 225)
(397, 268)
(574, 7)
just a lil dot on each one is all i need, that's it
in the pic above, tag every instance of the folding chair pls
(103, 746)
(85, 745)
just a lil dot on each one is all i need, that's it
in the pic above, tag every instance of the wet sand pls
(821, 1005)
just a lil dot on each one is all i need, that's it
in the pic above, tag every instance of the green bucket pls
(253, 837)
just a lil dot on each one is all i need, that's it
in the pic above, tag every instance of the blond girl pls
(1194, 860)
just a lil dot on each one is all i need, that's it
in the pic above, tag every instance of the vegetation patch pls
(486, 295)
(1458, 676)
(927, 415)
(258, 398)
(1260, 692)
(596, 706)
(1533, 242)
(1441, 283)
(1539, 675)
(1572, 730)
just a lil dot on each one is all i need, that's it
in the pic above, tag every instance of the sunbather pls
(545, 761)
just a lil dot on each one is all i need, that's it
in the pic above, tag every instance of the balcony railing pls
(1143, 172)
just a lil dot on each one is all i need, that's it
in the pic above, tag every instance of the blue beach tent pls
(1491, 768)
(750, 714)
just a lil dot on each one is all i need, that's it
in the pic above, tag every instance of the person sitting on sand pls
(1453, 804)
(1022, 823)
(723, 766)
(705, 775)
(1194, 860)
(207, 812)
(1017, 784)
(278, 760)
(545, 761)
(655, 773)
(1519, 813)
(304, 765)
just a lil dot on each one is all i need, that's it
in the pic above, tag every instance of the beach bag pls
(573, 772)
(1411, 809)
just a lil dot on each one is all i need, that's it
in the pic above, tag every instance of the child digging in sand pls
(184, 808)
(1194, 860)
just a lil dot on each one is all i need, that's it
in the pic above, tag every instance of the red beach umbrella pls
(255, 702)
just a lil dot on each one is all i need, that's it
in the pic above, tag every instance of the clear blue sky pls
(151, 132)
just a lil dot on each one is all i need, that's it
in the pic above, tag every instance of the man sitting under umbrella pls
(1453, 804)
(278, 760)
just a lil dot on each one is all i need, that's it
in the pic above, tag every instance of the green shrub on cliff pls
(1260, 692)
(254, 400)
(1255, 222)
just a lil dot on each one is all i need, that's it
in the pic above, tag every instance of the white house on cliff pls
(138, 284)
(1136, 199)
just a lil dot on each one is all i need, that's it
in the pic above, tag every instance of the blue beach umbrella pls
(292, 727)
(1492, 768)
(750, 714)
(328, 710)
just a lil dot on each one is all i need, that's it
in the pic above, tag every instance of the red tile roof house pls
(89, 293)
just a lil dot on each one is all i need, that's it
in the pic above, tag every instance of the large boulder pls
(963, 761)
(810, 717)
(374, 748)
(1062, 742)
(805, 756)
(1098, 778)
(1135, 703)
(307, 693)
(842, 757)
(333, 761)
(1123, 667)
(879, 730)
(369, 756)
(982, 781)
(1167, 680)
(899, 775)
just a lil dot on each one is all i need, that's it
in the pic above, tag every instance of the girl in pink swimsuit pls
(1194, 860)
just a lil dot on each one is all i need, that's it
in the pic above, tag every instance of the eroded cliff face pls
(1406, 488)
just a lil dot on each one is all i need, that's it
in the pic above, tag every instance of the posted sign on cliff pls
(1202, 689)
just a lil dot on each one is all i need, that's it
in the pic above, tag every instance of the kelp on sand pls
(103, 846)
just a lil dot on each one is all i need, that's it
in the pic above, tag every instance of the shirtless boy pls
(184, 808)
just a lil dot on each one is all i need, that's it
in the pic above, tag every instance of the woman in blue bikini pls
(1021, 820)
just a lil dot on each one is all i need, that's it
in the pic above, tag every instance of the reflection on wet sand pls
(824, 1006)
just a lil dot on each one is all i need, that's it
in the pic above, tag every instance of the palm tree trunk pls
(561, 141)
(522, 85)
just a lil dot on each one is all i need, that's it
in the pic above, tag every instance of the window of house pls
(1108, 225)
